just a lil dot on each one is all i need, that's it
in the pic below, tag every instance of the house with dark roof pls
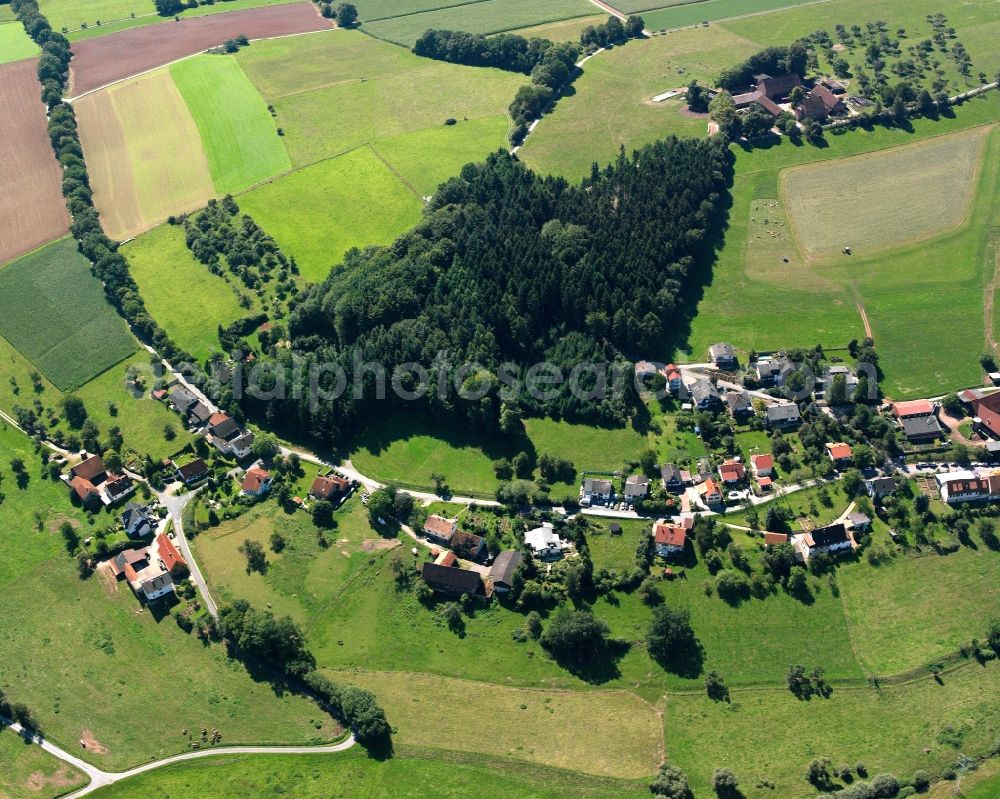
(879, 487)
(502, 572)
(921, 429)
(228, 437)
(596, 490)
(777, 88)
(860, 522)
(137, 521)
(199, 414)
(144, 572)
(738, 405)
(469, 546)
(782, 417)
(193, 472)
(90, 483)
(454, 581)
(636, 486)
(704, 395)
(671, 478)
(834, 538)
(116, 488)
(820, 104)
(723, 356)
(182, 399)
(773, 370)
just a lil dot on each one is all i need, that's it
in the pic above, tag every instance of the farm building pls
(455, 581)
(439, 529)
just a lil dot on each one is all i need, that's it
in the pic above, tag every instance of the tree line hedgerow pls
(107, 263)
(511, 268)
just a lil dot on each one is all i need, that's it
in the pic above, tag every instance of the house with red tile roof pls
(710, 493)
(668, 539)
(170, 557)
(331, 486)
(732, 472)
(905, 410)
(439, 529)
(773, 539)
(256, 482)
(762, 465)
(839, 453)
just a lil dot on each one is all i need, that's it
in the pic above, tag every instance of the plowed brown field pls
(106, 59)
(32, 211)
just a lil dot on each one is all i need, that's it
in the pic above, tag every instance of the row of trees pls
(512, 268)
(279, 643)
(612, 32)
(505, 51)
(107, 263)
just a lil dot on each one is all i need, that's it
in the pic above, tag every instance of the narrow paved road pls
(175, 507)
(101, 779)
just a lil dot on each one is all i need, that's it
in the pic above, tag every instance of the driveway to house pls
(101, 779)
(175, 505)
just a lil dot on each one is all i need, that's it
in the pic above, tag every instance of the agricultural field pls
(353, 775)
(93, 694)
(372, 10)
(31, 203)
(54, 312)
(567, 30)
(182, 295)
(237, 132)
(684, 14)
(104, 60)
(932, 184)
(74, 15)
(553, 728)
(318, 213)
(144, 154)
(15, 44)
(487, 16)
(29, 772)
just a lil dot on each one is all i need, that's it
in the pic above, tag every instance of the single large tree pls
(575, 636)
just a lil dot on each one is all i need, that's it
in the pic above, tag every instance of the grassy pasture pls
(352, 201)
(488, 16)
(884, 605)
(553, 728)
(840, 202)
(54, 311)
(111, 642)
(611, 103)
(181, 294)
(29, 771)
(15, 43)
(237, 132)
(371, 10)
(353, 775)
(567, 30)
(771, 735)
(680, 15)
(144, 153)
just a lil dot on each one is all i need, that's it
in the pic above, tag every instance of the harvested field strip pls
(553, 728)
(53, 310)
(106, 59)
(15, 43)
(237, 132)
(32, 211)
(145, 154)
(492, 16)
(317, 213)
(843, 202)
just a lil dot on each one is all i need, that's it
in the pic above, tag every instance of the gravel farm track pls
(103, 60)
(32, 211)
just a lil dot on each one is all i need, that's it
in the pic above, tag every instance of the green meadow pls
(28, 771)
(237, 132)
(680, 15)
(15, 43)
(182, 295)
(53, 310)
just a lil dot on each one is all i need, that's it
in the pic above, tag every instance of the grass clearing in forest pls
(53, 310)
(181, 294)
(841, 203)
(237, 131)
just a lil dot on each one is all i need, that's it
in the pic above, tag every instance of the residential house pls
(544, 542)
(704, 469)
(732, 472)
(94, 487)
(675, 381)
(840, 454)
(192, 472)
(820, 104)
(912, 408)
(850, 379)
(774, 539)
(330, 487)
(782, 417)
(228, 437)
(439, 529)
(502, 572)
(833, 538)
(199, 414)
(670, 476)
(963, 486)
(710, 493)
(879, 487)
(762, 465)
(860, 522)
(137, 521)
(738, 404)
(669, 540)
(182, 400)
(454, 581)
(704, 395)
(636, 486)
(256, 482)
(596, 490)
(723, 356)
(921, 429)
(773, 370)
(170, 558)
(469, 546)
(644, 369)
(149, 581)
(116, 488)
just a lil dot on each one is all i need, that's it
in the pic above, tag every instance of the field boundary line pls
(425, 11)
(396, 174)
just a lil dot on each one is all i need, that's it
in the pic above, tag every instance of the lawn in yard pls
(953, 597)
(613, 551)
(553, 728)
(318, 213)
(770, 736)
(181, 294)
(802, 503)
(15, 43)
(28, 771)
(487, 16)
(354, 775)
(53, 310)
(237, 131)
